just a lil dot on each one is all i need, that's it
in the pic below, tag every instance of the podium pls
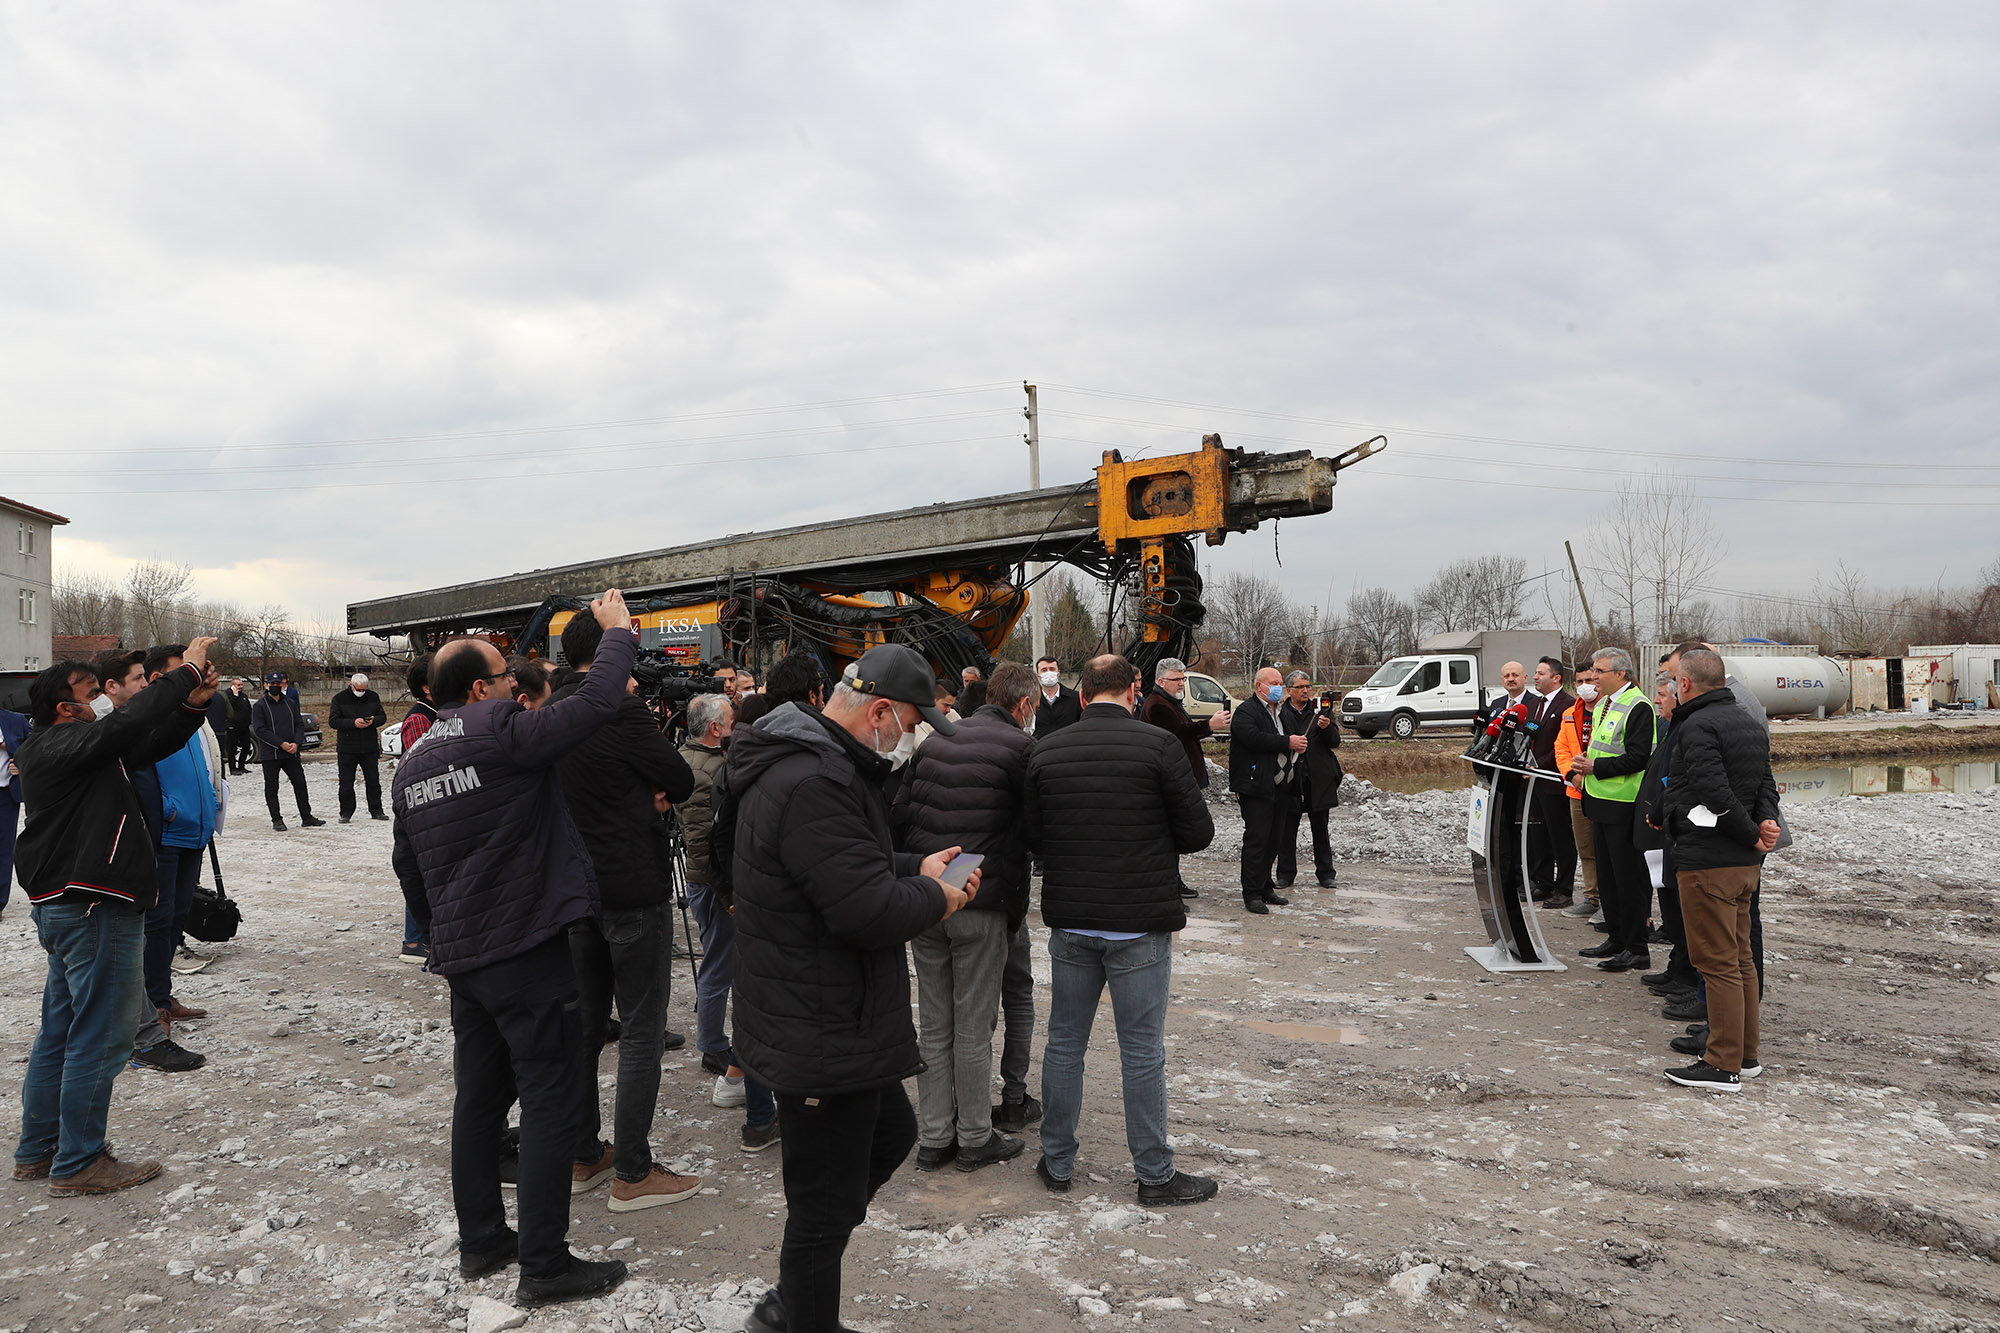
(1497, 835)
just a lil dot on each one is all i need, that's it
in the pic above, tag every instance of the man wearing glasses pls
(1164, 708)
(492, 866)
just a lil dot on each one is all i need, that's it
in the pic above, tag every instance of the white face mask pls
(102, 705)
(886, 751)
(905, 750)
(1586, 691)
(1050, 680)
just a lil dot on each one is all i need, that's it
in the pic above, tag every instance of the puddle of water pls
(1308, 1032)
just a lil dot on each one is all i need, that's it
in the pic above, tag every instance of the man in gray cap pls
(824, 906)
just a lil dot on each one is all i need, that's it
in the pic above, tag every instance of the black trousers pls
(371, 770)
(294, 767)
(838, 1151)
(1289, 814)
(518, 1030)
(1679, 962)
(1262, 824)
(239, 749)
(1623, 887)
(1551, 842)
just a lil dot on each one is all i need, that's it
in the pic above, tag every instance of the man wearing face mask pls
(276, 724)
(356, 717)
(966, 790)
(1057, 705)
(1262, 751)
(824, 906)
(89, 870)
(1572, 739)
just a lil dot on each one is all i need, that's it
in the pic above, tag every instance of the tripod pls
(678, 867)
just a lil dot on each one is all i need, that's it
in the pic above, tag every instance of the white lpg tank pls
(1792, 686)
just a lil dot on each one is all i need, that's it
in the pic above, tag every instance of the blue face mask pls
(1275, 693)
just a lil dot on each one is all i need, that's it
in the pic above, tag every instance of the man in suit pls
(1514, 680)
(13, 730)
(1261, 755)
(1551, 842)
(1315, 782)
(1057, 705)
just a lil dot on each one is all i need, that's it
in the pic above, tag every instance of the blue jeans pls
(180, 871)
(413, 932)
(1138, 972)
(718, 969)
(96, 979)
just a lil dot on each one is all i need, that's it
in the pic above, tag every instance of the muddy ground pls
(1403, 1141)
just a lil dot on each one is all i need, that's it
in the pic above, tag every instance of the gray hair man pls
(356, 717)
(1623, 730)
(1316, 779)
(1261, 754)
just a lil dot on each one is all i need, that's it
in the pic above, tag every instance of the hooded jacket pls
(487, 854)
(824, 905)
(1722, 760)
(85, 834)
(966, 790)
(1112, 808)
(608, 783)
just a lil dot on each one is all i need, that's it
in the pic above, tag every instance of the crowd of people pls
(834, 837)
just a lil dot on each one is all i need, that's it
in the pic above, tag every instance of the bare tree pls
(1251, 616)
(1380, 625)
(82, 603)
(1653, 550)
(1477, 592)
(269, 636)
(1073, 632)
(156, 592)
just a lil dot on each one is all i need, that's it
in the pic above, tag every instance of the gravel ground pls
(1402, 1140)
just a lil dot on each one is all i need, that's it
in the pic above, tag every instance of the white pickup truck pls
(1443, 685)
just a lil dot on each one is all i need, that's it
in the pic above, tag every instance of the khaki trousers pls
(1586, 848)
(1715, 906)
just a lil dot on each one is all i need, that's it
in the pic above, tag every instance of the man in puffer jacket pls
(967, 790)
(493, 868)
(86, 861)
(1721, 813)
(824, 905)
(1112, 806)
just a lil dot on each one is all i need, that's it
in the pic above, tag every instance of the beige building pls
(25, 584)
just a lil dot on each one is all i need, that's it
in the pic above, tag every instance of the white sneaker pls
(728, 1092)
(187, 960)
(1598, 919)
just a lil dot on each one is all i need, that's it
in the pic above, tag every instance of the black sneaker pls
(586, 1278)
(756, 1138)
(311, 821)
(414, 952)
(715, 1062)
(1751, 1069)
(1689, 1010)
(1055, 1184)
(1702, 1074)
(672, 1040)
(1187, 892)
(997, 1148)
(1016, 1116)
(930, 1159)
(1604, 950)
(1183, 1188)
(168, 1057)
(474, 1264)
(1690, 1045)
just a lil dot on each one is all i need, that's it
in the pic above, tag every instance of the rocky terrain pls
(1403, 1141)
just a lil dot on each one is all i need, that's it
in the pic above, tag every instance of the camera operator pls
(492, 865)
(626, 948)
(1315, 780)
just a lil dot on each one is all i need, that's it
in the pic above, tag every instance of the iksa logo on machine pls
(1800, 683)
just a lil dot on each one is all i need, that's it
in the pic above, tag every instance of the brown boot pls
(178, 1011)
(33, 1170)
(106, 1175)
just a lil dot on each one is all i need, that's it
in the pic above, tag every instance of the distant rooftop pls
(20, 508)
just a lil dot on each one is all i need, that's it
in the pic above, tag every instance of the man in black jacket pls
(494, 870)
(1262, 751)
(824, 906)
(1113, 807)
(276, 723)
(965, 790)
(626, 949)
(1551, 839)
(1164, 707)
(1721, 812)
(237, 748)
(87, 865)
(356, 717)
(1057, 705)
(1316, 778)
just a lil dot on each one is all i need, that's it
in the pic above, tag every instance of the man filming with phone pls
(824, 906)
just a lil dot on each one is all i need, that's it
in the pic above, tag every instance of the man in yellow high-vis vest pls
(1622, 733)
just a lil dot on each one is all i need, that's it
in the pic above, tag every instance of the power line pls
(1376, 427)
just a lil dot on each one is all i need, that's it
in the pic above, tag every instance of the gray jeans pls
(1138, 973)
(623, 955)
(958, 964)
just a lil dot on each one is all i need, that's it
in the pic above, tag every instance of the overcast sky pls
(463, 243)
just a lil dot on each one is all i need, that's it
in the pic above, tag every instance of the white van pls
(1406, 693)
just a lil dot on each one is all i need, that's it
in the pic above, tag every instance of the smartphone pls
(961, 868)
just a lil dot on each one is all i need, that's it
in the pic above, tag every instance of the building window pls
(24, 539)
(31, 664)
(26, 603)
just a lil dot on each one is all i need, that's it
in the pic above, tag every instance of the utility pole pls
(1595, 642)
(1037, 621)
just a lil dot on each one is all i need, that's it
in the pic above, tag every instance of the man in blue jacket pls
(493, 868)
(88, 868)
(187, 822)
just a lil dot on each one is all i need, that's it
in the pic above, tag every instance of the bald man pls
(1514, 688)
